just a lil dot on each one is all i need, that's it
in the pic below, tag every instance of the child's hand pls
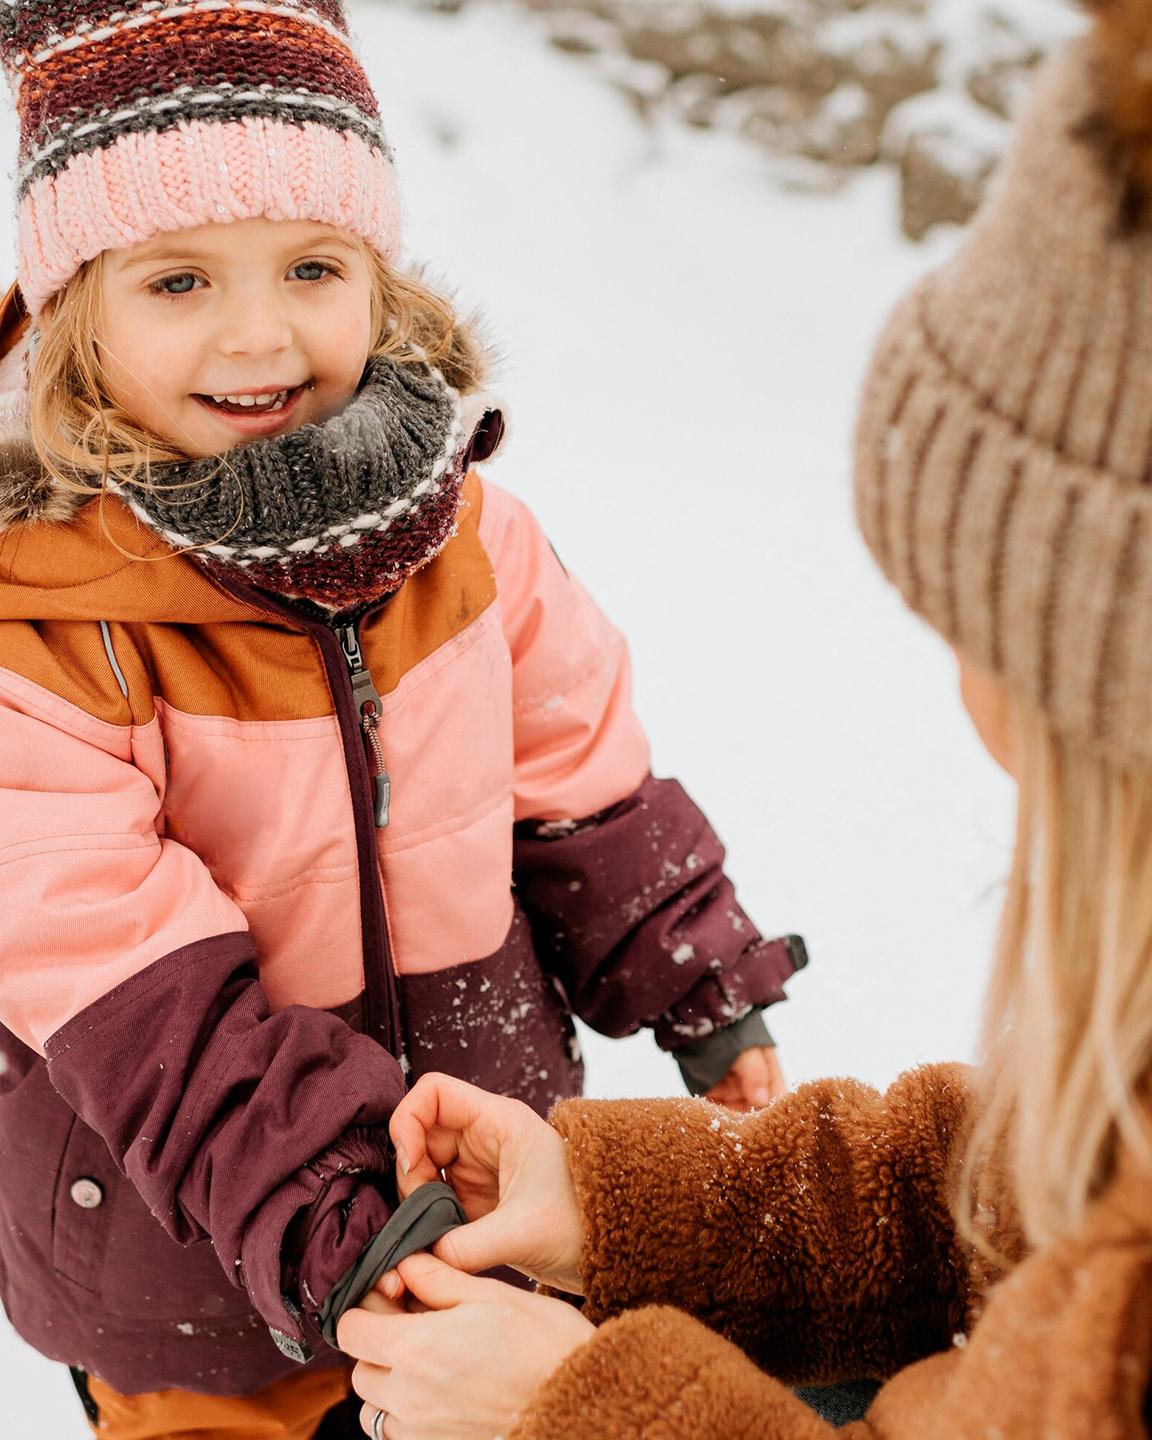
(754, 1079)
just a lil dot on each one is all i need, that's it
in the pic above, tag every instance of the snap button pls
(88, 1194)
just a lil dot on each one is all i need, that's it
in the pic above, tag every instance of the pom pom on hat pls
(1121, 123)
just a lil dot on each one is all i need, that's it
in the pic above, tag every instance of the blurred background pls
(683, 226)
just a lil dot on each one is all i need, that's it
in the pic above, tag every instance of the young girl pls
(1003, 483)
(319, 771)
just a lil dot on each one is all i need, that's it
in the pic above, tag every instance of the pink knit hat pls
(139, 117)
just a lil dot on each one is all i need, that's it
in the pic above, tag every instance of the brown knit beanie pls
(1004, 446)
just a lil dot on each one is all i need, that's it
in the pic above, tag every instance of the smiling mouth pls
(267, 403)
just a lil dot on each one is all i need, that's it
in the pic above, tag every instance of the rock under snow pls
(825, 87)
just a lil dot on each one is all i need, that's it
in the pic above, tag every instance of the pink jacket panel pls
(446, 854)
(443, 907)
(579, 746)
(266, 805)
(98, 900)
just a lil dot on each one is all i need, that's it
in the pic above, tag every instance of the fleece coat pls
(733, 1257)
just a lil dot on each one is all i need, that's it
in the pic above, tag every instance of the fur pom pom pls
(1122, 124)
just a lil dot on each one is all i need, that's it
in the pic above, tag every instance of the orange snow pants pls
(290, 1409)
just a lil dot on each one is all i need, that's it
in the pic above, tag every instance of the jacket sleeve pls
(620, 874)
(124, 964)
(816, 1234)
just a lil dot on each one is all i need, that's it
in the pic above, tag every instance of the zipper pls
(369, 710)
(382, 1017)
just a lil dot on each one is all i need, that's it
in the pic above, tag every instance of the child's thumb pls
(437, 1284)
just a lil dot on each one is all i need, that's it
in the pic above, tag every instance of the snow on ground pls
(683, 347)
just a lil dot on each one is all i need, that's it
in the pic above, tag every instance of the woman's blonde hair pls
(83, 440)
(1067, 1040)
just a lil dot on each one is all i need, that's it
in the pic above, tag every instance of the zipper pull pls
(381, 780)
(369, 708)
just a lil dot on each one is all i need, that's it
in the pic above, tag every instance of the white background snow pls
(684, 344)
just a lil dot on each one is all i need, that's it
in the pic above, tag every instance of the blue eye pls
(312, 271)
(175, 285)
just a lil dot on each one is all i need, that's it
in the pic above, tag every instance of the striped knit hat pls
(139, 117)
(1004, 447)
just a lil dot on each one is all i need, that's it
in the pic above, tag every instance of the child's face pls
(229, 333)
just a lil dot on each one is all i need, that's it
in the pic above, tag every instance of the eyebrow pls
(159, 254)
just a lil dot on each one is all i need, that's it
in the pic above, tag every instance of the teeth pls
(255, 402)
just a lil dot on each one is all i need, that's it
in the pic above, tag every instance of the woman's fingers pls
(509, 1169)
(442, 1118)
(389, 1427)
(466, 1368)
(441, 1286)
(495, 1239)
(370, 1337)
(434, 1102)
(385, 1300)
(374, 1386)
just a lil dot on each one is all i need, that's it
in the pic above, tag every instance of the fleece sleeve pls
(127, 968)
(816, 1234)
(620, 873)
(657, 1373)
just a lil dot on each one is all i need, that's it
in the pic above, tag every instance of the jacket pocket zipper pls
(369, 708)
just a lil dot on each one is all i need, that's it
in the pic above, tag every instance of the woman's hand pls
(467, 1365)
(754, 1079)
(510, 1171)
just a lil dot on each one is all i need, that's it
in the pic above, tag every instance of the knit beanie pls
(1003, 467)
(139, 117)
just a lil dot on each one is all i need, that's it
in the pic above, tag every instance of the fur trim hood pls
(28, 494)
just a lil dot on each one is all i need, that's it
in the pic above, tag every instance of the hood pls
(73, 558)
(28, 496)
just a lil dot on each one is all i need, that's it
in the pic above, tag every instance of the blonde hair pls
(83, 440)
(1067, 1041)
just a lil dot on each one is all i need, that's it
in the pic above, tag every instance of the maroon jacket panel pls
(633, 913)
(265, 1133)
(500, 1023)
(148, 1305)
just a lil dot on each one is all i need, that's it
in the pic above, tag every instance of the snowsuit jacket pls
(219, 968)
(817, 1237)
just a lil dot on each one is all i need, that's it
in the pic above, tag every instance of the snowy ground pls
(683, 345)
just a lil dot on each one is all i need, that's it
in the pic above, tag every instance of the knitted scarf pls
(340, 513)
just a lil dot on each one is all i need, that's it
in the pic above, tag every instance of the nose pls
(256, 324)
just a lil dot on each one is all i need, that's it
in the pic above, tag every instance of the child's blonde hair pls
(83, 440)
(1068, 1029)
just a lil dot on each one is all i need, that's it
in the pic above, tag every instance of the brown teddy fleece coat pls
(816, 1236)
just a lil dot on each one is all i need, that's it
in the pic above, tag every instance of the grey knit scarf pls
(338, 513)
